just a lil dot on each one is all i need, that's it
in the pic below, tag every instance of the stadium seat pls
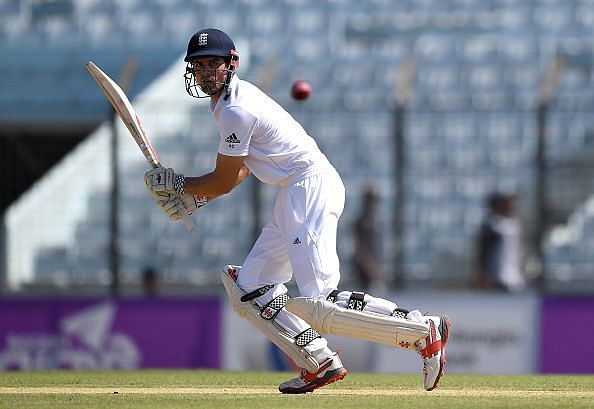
(469, 121)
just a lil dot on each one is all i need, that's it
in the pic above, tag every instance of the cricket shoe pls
(433, 350)
(331, 370)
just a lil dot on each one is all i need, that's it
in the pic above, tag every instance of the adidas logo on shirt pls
(232, 140)
(296, 241)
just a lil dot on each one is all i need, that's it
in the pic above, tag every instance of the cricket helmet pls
(210, 42)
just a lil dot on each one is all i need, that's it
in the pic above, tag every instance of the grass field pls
(235, 390)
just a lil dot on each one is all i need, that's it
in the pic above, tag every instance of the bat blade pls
(120, 102)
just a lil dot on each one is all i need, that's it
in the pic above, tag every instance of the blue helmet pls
(211, 42)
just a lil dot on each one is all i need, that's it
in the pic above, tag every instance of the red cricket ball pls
(300, 90)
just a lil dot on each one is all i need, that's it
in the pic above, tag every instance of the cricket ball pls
(300, 90)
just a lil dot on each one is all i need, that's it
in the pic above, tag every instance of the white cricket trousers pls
(298, 241)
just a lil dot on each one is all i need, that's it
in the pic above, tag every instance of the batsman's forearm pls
(207, 185)
(211, 186)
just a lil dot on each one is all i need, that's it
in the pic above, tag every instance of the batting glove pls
(179, 206)
(164, 180)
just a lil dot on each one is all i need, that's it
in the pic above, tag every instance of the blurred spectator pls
(149, 282)
(500, 246)
(368, 259)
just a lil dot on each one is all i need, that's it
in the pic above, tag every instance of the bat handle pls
(188, 222)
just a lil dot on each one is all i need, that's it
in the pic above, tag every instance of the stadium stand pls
(470, 126)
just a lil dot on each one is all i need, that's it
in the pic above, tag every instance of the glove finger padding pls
(162, 196)
(174, 209)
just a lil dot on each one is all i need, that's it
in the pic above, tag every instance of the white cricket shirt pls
(276, 147)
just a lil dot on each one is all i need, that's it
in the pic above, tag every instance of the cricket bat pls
(123, 107)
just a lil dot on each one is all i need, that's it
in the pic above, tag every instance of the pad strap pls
(306, 337)
(333, 296)
(271, 310)
(356, 301)
(400, 313)
(256, 293)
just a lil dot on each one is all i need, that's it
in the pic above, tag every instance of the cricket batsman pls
(299, 240)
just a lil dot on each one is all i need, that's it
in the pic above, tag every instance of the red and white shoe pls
(433, 350)
(331, 370)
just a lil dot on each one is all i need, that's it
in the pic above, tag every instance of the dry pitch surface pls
(332, 391)
(217, 389)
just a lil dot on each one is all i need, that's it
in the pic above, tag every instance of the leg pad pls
(329, 318)
(274, 332)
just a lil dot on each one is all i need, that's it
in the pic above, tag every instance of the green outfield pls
(235, 390)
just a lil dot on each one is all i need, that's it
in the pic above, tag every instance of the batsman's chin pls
(209, 89)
